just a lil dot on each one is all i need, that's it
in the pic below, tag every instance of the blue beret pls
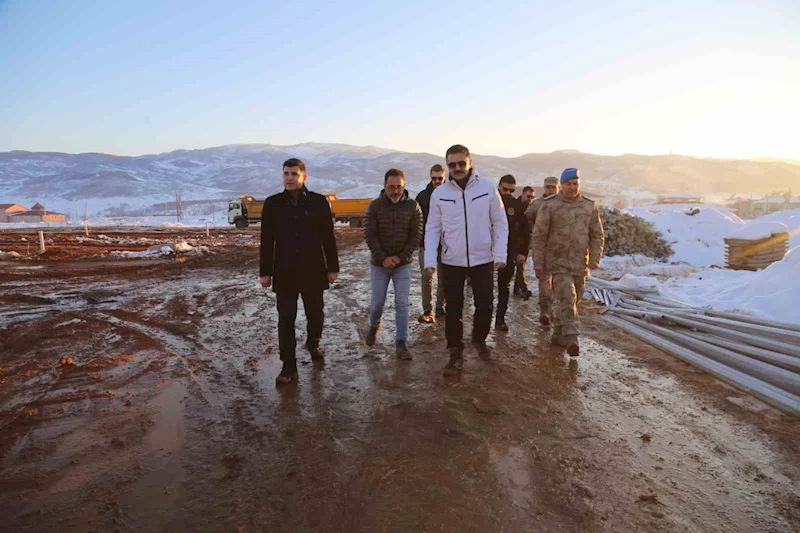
(570, 174)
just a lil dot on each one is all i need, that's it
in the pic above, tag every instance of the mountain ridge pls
(227, 171)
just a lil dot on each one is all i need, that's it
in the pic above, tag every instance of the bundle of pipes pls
(760, 357)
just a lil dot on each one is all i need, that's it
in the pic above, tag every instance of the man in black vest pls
(517, 249)
(298, 258)
(520, 286)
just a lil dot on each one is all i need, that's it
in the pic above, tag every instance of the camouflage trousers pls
(546, 294)
(567, 292)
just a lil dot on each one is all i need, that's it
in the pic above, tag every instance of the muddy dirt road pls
(169, 419)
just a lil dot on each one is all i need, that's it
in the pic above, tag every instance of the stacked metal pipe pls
(760, 357)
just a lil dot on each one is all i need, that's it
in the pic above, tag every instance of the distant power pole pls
(178, 207)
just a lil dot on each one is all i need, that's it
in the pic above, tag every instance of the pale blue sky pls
(694, 77)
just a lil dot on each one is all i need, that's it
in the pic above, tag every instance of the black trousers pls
(504, 276)
(287, 314)
(482, 277)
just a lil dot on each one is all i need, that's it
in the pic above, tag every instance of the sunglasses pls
(459, 164)
(441, 179)
(528, 196)
(508, 189)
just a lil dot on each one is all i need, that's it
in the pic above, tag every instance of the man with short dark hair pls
(437, 176)
(298, 258)
(467, 218)
(517, 249)
(520, 286)
(393, 228)
(568, 242)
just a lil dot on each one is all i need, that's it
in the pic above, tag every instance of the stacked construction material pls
(757, 246)
(760, 357)
(628, 234)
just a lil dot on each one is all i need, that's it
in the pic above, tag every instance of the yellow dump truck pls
(247, 210)
(350, 210)
(244, 211)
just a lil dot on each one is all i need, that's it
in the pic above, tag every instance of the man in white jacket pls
(468, 219)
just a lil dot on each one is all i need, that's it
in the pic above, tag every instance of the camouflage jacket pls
(533, 209)
(567, 236)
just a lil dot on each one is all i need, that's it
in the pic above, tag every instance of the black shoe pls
(317, 354)
(288, 374)
(484, 352)
(440, 312)
(372, 335)
(526, 295)
(402, 351)
(456, 363)
(500, 325)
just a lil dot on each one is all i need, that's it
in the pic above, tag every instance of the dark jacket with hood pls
(298, 246)
(424, 201)
(392, 228)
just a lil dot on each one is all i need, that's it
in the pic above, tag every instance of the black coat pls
(517, 227)
(298, 247)
(392, 229)
(424, 201)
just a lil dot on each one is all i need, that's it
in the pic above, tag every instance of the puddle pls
(513, 472)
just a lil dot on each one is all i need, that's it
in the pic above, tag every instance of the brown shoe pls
(372, 336)
(316, 352)
(573, 348)
(456, 362)
(544, 320)
(426, 318)
(402, 351)
(287, 375)
(484, 352)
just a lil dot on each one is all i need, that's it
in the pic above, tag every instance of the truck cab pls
(244, 211)
(236, 214)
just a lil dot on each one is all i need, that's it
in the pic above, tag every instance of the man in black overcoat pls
(298, 258)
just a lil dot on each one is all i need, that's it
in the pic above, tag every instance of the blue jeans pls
(379, 283)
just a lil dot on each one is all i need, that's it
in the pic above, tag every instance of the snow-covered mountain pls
(63, 181)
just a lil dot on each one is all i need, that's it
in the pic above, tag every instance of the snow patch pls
(759, 230)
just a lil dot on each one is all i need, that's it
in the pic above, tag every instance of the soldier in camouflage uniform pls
(567, 242)
(546, 279)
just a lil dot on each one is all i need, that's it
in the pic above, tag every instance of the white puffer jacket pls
(470, 224)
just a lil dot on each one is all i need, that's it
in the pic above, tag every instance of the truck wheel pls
(356, 222)
(240, 223)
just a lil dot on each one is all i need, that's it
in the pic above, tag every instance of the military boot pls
(573, 348)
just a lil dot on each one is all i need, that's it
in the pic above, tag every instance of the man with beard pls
(517, 247)
(298, 258)
(467, 218)
(393, 228)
